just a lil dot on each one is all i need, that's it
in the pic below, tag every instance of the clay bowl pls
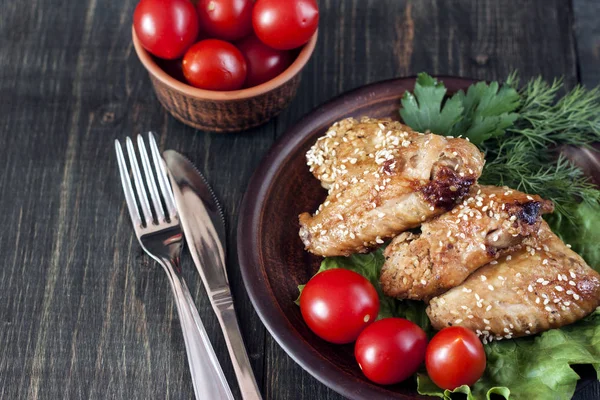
(271, 255)
(225, 111)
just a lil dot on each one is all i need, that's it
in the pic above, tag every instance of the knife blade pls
(204, 228)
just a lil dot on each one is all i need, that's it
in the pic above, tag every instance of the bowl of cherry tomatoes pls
(225, 65)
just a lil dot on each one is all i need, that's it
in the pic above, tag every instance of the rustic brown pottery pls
(225, 111)
(271, 255)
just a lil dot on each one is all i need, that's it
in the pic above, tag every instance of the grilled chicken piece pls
(383, 178)
(542, 286)
(491, 222)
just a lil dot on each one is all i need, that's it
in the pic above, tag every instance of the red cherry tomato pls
(285, 25)
(264, 63)
(214, 65)
(338, 304)
(390, 350)
(226, 19)
(166, 28)
(455, 357)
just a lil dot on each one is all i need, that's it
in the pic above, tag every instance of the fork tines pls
(162, 211)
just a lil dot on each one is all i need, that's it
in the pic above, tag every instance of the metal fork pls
(161, 237)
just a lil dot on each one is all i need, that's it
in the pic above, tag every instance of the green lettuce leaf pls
(583, 234)
(537, 367)
(425, 109)
(428, 388)
(414, 311)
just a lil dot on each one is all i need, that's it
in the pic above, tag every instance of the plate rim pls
(248, 232)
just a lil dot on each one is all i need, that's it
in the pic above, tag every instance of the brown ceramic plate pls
(272, 257)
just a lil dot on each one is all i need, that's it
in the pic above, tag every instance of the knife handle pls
(207, 376)
(223, 305)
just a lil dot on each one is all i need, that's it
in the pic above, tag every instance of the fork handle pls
(207, 376)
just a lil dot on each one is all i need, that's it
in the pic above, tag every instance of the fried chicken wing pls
(490, 222)
(383, 178)
(542, 286)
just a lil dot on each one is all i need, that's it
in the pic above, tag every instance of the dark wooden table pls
(84, 314)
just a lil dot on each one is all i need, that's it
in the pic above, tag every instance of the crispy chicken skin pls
(491, 222)
(383, 178)
(544, 285)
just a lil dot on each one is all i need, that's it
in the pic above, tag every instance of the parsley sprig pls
(485, 111)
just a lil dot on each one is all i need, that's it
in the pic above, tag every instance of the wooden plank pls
(587, 33)
(366, 41)
(588, 391)
(84, 312)
(32, 178)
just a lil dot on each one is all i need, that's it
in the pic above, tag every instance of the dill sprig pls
(573, 120)
(560, 181)
(527, 156)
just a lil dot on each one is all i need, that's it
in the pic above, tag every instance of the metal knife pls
(204, 228)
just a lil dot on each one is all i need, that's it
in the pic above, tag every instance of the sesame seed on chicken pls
(531, 297)
(383, 178)
(487, 224)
